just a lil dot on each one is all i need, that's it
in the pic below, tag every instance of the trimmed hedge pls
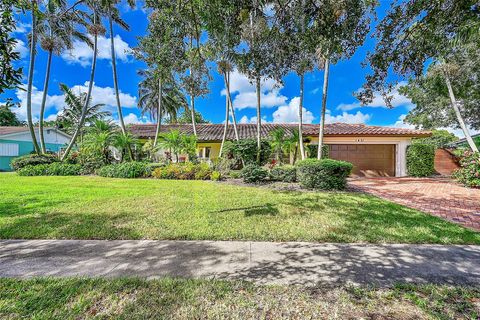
(253, 173)
(420, 160)
(184, 171)
(285, 173)
(469, 173)
(52, 169)
(32, 160)
(125, 170)
(323, 174)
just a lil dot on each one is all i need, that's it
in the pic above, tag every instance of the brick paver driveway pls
(438, 196)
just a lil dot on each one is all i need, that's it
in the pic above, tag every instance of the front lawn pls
(91, 207)
(209, 299)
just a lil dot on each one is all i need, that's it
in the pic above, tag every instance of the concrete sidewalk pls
(262, 262)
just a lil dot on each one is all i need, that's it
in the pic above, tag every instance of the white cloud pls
(132, 118)
(21, 48)
(55, 103)
(22, 27)
(398, 100)
(289, 113)
(245, 92)
(83, 54)
(401, 124)
(106, 96)
(345, 117)
(253, 119)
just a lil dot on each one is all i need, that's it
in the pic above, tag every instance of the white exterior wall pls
(400, 143)
(50, 135)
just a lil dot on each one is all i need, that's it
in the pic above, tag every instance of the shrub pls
(125, 170)
(439, 139)
(216, 176)
(284, 173)
(52, 169)
(253, 173)
(33, 160)
(420, 160)
(235, 174)
(323, 174)
(246, 149)
(184, 171)
(312, 151)
(469, 173)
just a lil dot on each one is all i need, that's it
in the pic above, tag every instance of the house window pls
(207, 152)
(8, 150)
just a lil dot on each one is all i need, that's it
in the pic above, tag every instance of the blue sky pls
(278, 104)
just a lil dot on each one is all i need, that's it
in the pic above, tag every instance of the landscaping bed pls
(76, 298)
(91, 207)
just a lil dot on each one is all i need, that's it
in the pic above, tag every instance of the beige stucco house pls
(373, 150)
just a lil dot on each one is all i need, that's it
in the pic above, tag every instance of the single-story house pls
(373, 150)
(17, 141)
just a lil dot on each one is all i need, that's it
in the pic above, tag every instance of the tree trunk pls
(159, 112)
(44, 101)
(300, 118)
(192, 111)
(89, 94)
(33, 44)
(453, 100)
(324, 109)
(227, 108)
(229, 96)
(259, 122)
(115, 83)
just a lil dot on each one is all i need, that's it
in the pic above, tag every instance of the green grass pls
(101, 208)
(77, 298)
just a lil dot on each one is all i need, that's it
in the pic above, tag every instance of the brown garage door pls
(369, 160)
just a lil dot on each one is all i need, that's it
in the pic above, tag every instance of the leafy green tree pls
(416, 34)
(98, 139)
(124, 142)
(278, 142)
(172, 141)
(10, 76)
(439, 139)
(185, 118)
(8, 117)
(57, 27)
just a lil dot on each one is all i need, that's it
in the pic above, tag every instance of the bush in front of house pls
(469, 173)
(246, 150)
(253, 173)
(325, 174)
(420, 160)
(132, 169)
(33, 160)
(184, 171)
(52, 169)
(285, 173)
(312, 151)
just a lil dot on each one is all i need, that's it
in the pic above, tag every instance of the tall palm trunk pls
(232, 110)
(453, 101)
(89, 94)
(300, 119)
(259, 121)
(192, 97)
(159, 112)
(115, 83)
(44, 101)
(324, 109)
(225, 128)
(33, 44)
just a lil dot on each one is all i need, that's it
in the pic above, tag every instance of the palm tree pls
(278, 143)
(225, 68)
(326, 68)
(159, 98)
(95, 29)
(33, 43)
(56, 30)
(189, 146)
(124, 142)
(292, 144)
(98, 139)
(72, 112)
(173, 141)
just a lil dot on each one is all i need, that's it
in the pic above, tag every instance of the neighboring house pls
(463, 142)
(373, 150)
(17, 141)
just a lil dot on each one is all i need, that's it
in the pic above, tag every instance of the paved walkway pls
(262, 262)
(438, 196)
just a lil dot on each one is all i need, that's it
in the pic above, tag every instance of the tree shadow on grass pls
(260, 210)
